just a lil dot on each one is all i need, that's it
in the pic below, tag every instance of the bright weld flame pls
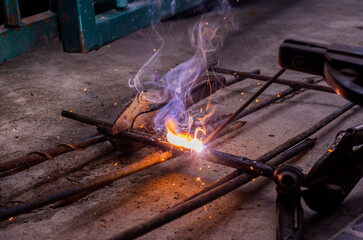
(182, 139)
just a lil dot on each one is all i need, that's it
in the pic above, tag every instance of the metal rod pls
(286, 145)
(268, 102)
(241, 163)
(280, 81)
(87, 186)
(37, 157)
(179, 210)
(243, 107)
(84, 119)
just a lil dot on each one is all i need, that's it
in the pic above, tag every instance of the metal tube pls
(180, 210)
(280, 81)
(243, 107)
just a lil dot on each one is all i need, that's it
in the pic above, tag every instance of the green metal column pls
(83, 31)
(18, 35)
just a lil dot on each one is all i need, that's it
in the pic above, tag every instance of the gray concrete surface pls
(37, 86)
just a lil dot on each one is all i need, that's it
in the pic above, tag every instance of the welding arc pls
(231, 181)
(279, 81)
(179, 210)
(244, 106)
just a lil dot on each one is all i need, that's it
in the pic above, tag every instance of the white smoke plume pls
(206, 36)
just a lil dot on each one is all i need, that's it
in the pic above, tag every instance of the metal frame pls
(19, 35)
(83, 31)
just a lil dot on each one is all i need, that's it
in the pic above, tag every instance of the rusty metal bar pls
(244, 106)
(40, 156)
(87, 186)
(84, 119)
(179, 210)
(280, 81)
(268, 102)
(241, 163)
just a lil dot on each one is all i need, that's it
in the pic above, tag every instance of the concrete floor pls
(37, 86)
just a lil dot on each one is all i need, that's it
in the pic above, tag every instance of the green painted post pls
(12, 13)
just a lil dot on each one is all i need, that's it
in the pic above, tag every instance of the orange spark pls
(182, 139)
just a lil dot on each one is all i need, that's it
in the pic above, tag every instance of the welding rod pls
(243, 107)
(34, 158)
(280, 81)
(286, 145)
(179, 210)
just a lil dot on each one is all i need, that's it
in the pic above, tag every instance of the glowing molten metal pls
(182, 139)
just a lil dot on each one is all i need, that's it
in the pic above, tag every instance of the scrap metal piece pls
(336, 173)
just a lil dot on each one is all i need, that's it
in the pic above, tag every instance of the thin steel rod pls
(286, 145)
(268, 102)
(280, 81)
(84, 119)
(87, 186)
(244, 106)
(241, 163)
(37, 157)
(179, 210)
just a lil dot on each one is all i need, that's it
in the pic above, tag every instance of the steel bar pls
(244, 106)
(286, 145)
(268, 102)
(280, 81)
(84, 119)
(265, 103)
(12, 171)
(241, 163)
(179, 210)
(41, 156)
(87, 186)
